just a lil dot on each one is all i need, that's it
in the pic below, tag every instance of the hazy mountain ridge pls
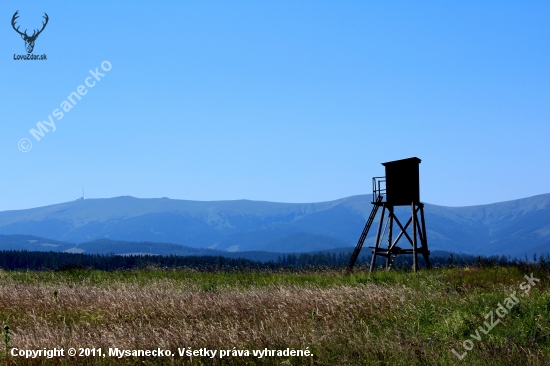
(511, 227)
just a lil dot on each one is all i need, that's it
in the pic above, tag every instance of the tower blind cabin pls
(400, 187)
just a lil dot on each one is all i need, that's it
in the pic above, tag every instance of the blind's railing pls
(378, 187)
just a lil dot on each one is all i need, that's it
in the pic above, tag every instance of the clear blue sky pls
(290, 101)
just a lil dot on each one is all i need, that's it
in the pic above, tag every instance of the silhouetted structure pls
(400, 187)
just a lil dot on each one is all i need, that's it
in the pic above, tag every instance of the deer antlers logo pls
(29, 40)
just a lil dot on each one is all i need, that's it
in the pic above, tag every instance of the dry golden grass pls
(137, 317)
(359, 323)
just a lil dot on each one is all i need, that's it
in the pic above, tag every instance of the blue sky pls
(290, 101)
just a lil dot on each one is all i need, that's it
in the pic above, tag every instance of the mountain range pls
(513, 228)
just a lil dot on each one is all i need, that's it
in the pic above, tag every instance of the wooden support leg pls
(415, 259)
(377, 242)
(390, 233)
(425, 251)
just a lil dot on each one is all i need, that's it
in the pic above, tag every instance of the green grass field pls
(387, 318)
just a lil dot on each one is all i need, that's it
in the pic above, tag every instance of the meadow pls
(385, 318)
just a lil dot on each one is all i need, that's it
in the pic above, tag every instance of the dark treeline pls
(437, 259)
(17, 260)
(30, 260)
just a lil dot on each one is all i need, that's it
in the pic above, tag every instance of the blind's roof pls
(404, 161)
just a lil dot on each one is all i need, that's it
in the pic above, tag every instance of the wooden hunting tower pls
(400, 187)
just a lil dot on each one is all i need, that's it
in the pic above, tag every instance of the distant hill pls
(106, 246)
(510, 228)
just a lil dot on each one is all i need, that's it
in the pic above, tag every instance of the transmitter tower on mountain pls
(400, 187)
